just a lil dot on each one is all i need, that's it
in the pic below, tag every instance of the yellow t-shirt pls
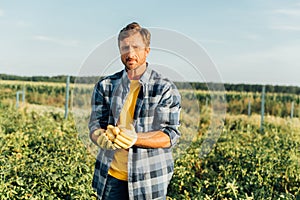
(118, 167)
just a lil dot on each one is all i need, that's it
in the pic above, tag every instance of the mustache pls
(129, 59)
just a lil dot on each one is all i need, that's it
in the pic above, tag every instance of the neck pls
(135, 74)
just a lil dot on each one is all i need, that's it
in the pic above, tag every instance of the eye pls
(124, 48)
(137, 47)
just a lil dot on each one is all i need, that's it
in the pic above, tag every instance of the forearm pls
(155, 139)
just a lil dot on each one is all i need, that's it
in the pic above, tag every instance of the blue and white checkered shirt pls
(157, 108)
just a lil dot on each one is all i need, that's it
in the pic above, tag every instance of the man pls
(141, 108)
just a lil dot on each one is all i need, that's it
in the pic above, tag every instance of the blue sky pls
(250, 41)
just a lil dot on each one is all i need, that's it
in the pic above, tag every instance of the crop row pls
(42, 157)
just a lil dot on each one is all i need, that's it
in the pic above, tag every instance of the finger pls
(117, 146)
(123, 140)
(116, 131)
(110, 134)
(122, 128)
(132, 127)
(109, 145)
(126, 136)
(110, 126)
(121, 144)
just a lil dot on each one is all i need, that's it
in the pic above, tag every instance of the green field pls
(42, 156)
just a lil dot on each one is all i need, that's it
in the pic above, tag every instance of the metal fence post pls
(17, 99)
(67, 97)
(292, 110)
(23, 95)
(262, 108)
(249, 108)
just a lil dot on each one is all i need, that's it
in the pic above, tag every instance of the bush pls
(41, 158)
(245, 164)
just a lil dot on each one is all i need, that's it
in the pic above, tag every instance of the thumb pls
(131, 127)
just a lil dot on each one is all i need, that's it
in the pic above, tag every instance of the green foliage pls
(245, 164)
(42, 158)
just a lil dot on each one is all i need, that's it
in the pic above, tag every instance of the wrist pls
(98, 132)
(95, 135)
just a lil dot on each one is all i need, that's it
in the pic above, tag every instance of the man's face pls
(133, 51)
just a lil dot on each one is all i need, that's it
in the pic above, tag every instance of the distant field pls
(46, 93)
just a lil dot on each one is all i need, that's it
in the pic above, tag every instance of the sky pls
(249, 41)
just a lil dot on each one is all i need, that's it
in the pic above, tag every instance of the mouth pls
(130, 61)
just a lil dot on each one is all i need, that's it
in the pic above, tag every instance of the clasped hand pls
(116, 138)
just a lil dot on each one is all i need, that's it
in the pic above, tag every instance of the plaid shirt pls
(157, 108)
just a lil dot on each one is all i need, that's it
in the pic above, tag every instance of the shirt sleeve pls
(100, 109)
(168, 113)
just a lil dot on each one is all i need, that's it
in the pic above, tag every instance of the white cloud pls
(288, 12)
(287, 19)
(62, 42)
(277, 65)
(286, 28)
(288, 54)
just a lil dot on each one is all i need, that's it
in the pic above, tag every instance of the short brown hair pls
(133, 28)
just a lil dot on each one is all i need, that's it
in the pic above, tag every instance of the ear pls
(147, 50)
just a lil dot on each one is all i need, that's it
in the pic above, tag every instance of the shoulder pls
(156, 78)
(110, 79)
(107, 84)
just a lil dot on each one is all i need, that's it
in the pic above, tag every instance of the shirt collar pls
(145, 78)
(125, 80)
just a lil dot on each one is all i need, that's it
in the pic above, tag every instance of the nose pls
(131, 52)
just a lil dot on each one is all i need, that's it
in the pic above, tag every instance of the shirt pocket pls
(146, 114)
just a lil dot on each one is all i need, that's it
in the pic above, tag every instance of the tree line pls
(242, 87)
